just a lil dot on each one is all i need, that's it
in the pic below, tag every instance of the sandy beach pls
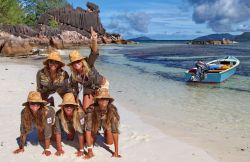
(138, 141)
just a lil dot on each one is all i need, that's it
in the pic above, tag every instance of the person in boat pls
(35, 112)
(84, 73)
(102, 114)
(52, 78)
(70, 119)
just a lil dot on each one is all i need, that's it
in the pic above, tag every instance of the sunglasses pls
(53, 62)
(69, 106)
(35, 103)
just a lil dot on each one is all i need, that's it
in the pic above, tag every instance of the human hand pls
(93, 34)
(59, 152)
(79, 153)
(46, 152)
(116, 155)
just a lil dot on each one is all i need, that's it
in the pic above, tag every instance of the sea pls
(148, 79)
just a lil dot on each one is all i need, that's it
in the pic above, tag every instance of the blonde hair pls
(76, 120)
(85, 72)
(39, 120)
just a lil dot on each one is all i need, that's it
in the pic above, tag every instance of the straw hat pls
(68, 99)
(75, 56)
(35, 96)
(103, 93)
(55, 56)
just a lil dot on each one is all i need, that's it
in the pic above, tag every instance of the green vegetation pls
(11, 12)
(26, 11)
(53, 24)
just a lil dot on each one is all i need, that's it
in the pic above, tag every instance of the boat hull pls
(213, 77)
(216, 77)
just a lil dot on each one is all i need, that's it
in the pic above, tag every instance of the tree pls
(11, 12)
(35, 8)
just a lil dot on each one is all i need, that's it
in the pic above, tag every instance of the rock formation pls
(73, 29)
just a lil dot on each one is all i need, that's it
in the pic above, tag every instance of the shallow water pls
(149, 79)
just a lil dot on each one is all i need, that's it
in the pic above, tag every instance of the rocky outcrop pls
(14, 47)
(214, 42)
(73, 30)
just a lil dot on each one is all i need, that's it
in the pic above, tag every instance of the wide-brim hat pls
(34, 96)
(55, 56)
(68, 99)
(103, 93)
(75, 56)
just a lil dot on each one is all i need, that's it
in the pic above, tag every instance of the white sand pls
(138, 141)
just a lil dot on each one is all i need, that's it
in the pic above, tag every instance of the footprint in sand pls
(140, 138)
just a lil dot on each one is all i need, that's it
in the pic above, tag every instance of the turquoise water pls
(149, 80)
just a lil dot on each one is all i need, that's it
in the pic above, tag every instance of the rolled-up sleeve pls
(92, 58)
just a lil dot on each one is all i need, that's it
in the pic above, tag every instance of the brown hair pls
(112, 114)
(76, 120)
(39, 120)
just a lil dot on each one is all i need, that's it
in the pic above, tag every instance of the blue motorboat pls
(215, 71)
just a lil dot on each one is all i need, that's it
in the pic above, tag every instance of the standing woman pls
(102, 114)
(85, 74)
(36, 112)
(52, 78)
(70, 119)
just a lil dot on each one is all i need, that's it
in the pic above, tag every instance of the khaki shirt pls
(102, 117)
(59, 127)
(90, 83)
(46, 86)
(48, 122)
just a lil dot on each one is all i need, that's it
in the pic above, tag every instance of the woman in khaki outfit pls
(102, 114)
(70, 119)
(85, 74)
(36, 112)
(52, 78)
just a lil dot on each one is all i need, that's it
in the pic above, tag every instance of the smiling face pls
(69, 109)
(53, 65)
(78, 65)
(34, 106)
(103, 103)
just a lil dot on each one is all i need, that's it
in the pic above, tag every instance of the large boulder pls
(68, 39)
(14, 47)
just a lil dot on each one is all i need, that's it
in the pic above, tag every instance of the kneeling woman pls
(35, 112)
(85, 74)
(102, 114)
(69, 118)
(52, 78)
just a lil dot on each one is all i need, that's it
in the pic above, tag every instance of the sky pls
(172, 19)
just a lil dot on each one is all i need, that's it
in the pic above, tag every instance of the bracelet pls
(47, 149)
(82, 150)
(89, 147)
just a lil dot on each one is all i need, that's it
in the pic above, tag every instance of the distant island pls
(142, 38)
(224, 38)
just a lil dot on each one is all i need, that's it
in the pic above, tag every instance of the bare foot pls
(17, 151)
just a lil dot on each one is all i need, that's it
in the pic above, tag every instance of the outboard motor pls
(201, 71)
